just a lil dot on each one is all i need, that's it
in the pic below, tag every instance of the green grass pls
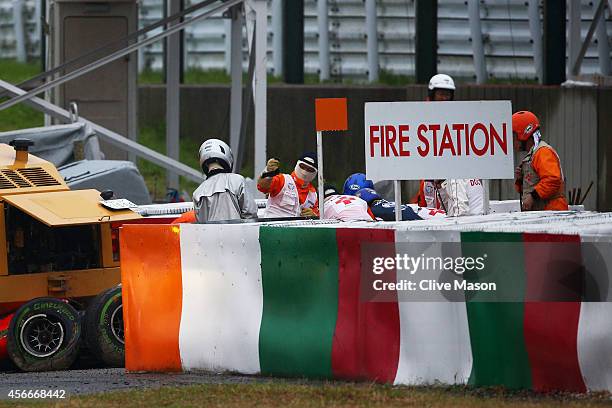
(194, 76)
(16, 72)
(19, 116)
(150, 77)
(512, 81)
(155, 176)
(389, 78)
(328, 394)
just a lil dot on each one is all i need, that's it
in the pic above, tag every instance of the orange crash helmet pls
(524, 124)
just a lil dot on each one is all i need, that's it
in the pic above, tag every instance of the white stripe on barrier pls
(595, 325)
(595, 345)
(434, 339)
(222, 298)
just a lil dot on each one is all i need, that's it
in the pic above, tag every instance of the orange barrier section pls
(152, 296)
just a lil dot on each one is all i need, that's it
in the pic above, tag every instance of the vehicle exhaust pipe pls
(21, 149)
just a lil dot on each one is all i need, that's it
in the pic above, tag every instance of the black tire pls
(104, 328)
(44, 335)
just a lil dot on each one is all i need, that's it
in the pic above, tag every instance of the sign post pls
(330, 115)
(486, 185)
(320, 182)
(398, 199)
(438, 140)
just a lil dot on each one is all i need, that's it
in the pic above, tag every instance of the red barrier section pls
(367, 337)
(551, 328)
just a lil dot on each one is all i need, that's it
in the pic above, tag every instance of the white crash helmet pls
(218, 151)
(441, 81)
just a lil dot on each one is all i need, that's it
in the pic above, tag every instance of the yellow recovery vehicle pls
(59, 267)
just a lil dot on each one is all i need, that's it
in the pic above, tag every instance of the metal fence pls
(506, 33)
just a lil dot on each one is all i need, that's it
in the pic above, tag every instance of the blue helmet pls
(356, 182)
(368, 195)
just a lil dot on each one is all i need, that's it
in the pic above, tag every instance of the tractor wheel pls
(44, 335)
(104, 328)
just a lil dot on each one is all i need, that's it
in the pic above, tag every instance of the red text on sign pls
(449, 140)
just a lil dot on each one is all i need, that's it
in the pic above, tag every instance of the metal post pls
(477, 46)
(535, 29)
(38, 25)
(247, 103)
(277, 37)
(426, 40)
(227, 28)
(575, 68)
(554, 42)
(141, 60)
(293, 41)
(20, 40)
(45, 55)
(43, 37)
(372, 40)
(132, 92)
(487, 196)
(236, 23)
(260, 80)
(173, 108)
(322, 19)
(603, 47)
(320, 179)
(574, 35)
(397, 186)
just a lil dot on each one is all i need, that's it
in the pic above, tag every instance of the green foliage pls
(19, 116)
(16, 72)
(155, 176)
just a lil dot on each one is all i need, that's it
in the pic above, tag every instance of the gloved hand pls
(272, 165)
(271, 169)
(308, 212)
(518, 175)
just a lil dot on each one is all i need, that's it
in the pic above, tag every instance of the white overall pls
(287, 202)
(346, 208)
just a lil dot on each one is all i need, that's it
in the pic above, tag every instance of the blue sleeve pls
(385, 210)
(408, 214)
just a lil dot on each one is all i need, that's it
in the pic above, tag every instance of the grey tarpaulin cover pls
(57, 143)
(122, 177)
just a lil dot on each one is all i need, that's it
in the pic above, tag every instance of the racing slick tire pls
(104, 333)
(44, 335)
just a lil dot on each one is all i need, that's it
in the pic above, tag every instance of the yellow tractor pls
(59, 266)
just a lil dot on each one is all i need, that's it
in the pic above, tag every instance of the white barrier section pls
(222, 298)
(434, 337)
(595, 325)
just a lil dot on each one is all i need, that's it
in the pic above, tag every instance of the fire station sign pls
(438, 140)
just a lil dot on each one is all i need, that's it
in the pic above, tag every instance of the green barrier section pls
(300, 289)
(496, 328)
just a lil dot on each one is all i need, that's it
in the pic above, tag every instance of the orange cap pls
(524, 123)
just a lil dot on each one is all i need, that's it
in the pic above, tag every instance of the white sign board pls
(438, 140)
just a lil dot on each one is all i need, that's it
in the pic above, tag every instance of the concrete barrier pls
(289, 301)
